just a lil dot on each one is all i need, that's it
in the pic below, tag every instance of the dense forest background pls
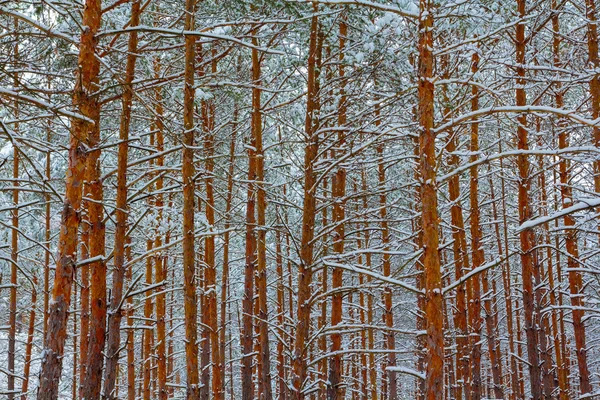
(333, 199)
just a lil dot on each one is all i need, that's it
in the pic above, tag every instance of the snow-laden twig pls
(583, 204)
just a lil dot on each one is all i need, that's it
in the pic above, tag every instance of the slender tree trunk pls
(592, 38)
(575, 278)
(29, 344)
(308, 218)
(116, 312)
(388, 314)
(265, 387)
(562, 370)
(461, 259)
(478, 257)
(47, 228)
(226, 239)
(74, 388)
(250, 267)
(130, 329)
(335, 389)
(506, 281)
(526, 236)
(84, 330)
(189, 263)
(85, 99)
(94, 196)
(434, 348)
(281, 375)
(14, 251)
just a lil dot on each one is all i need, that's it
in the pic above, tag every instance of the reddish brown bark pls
(226, 239)
(308, 219)
(130, 330)
(189, 266)
(93, 196)
(14, 251)
(264, 361)
(29, 344)
(526, 236)
(461, 259)
(115, 316)
(562, 367)
(335, 389)
(47, 231)
(84, 97)
(434, 345)
(249, 271)
(477, 255)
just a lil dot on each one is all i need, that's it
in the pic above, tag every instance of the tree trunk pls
(189, 263)
(29, 345)
(115, 315)
(434, 347)
(84, 98)
(261, 279)
(526, 236)
(308, 218)
(477, 258)
(14, 249)
(335, 389)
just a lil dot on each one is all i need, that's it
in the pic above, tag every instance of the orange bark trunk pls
(85, 99)
(526, 236)
(434, 345)
(29, 345)
(189, 266)
(115, 316)
(335, 389)
(308, 219)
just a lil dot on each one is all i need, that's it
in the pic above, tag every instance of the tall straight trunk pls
(575, 278)
(592, 39)
(85, 99)
(561, 336)
(526, 236)
(84, 329)
(506, 282)
(205, 276)
(363, 297)
(519, 349)
(478, 257)
(461, 259)
(148, 333)
(161, 259)
(29, 344)
(561, 366)
(308, 218)
(189, 263)
(47, 227)
(388, 314)
(116, 314)
(261, 250)
(226, 238)
(74, 388)
(94, 196)
(323, 367)
(281, 375)
(209, 251)
(493, 343)
(248, 306)
(541, 287)
(434, 347)
(14, 251)
(130, 330)
(335, 389)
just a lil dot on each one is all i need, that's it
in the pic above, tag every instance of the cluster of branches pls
(327, 199)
